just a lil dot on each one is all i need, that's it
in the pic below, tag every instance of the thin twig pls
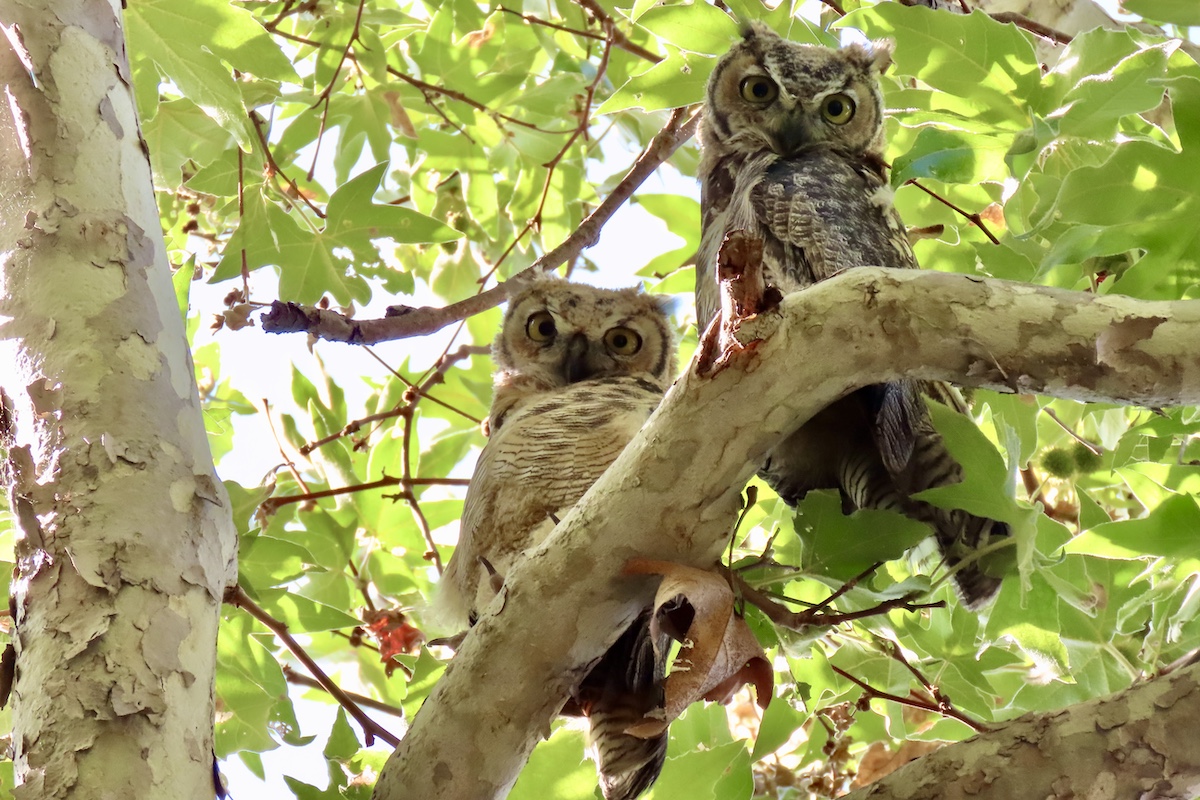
(475, 104)
(619, 39)
(272, 504)
(326, 93)
(331, 326)
(406, 464)
(292, 676)
(1033, 26)
(975, 219)
(371, 728)
(276, 171)
(287, 460)
(532, 20)
(535, 222)
(1091, 448)
(817, 615)
(947, 711)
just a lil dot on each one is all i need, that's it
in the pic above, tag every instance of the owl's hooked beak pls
(793, 134)
(575, 363)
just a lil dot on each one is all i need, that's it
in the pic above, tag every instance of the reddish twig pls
(287, 460)
(237, 597)
(407, 495)
(273, 504)
(292, 676)
(924, 704)
(1033, 26)
(619, 39)
(275, 171)
(326, 93)
(974, 219)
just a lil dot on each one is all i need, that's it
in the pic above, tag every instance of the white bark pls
(1139, 743)
(126, 537)
(673, 492)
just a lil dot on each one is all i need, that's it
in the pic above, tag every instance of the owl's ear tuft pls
(752, 29)
(876, 57)
(881, 54)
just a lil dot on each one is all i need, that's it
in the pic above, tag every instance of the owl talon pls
(495, 579)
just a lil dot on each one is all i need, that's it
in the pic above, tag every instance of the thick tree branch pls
(1137, 743)
(407, 322)
(673, 494)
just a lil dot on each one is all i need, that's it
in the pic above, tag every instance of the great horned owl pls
(580, 369)
(793, 145)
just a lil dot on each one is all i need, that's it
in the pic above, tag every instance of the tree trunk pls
(672, 494)
(126, 540)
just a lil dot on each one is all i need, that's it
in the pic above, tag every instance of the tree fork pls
(673, 493)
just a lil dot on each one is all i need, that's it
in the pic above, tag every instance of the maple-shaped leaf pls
(393, 633)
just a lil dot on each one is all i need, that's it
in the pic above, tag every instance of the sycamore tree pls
(315, 159)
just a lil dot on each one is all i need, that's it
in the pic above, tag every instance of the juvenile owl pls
(793, 145)
(579, 370)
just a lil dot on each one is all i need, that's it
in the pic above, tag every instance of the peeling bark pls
(673, 493)
(126, 539)
(1139, 743)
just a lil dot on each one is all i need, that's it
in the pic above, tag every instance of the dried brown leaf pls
(719, 653)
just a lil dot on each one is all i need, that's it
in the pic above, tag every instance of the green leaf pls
(343, 743)
(182, 134)
(558, 769)
(843, 546)
(1096, 103)
(303, 615)
(779, 721)
(991, 65)
(1180, 12)
(353, 219)
(152, 28)
(1030, 618)
(678, 80)
(987, 485)
(265, 561)
(951, 157)
(1169, 531)
(718, 773)
(697, 27)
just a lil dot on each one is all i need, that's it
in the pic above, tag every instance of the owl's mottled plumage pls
(793, 145)
(580, 369)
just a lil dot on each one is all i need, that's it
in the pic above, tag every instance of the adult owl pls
(793, 143)
(579, 370)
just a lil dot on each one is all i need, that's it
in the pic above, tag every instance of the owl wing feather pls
(821, 213)
(535, 467)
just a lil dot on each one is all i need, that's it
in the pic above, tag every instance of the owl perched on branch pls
(579, 370)
(793, 143)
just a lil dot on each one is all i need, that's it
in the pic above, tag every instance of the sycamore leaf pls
(719, 652)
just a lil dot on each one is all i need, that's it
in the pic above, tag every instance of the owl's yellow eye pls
(838, 109)
(623, 341)
(540, 327)
(757, 89)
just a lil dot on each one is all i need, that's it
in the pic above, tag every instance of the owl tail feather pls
(868, 484)
(623, 687)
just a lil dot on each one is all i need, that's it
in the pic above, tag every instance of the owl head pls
(557, 333)
(769, 94)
